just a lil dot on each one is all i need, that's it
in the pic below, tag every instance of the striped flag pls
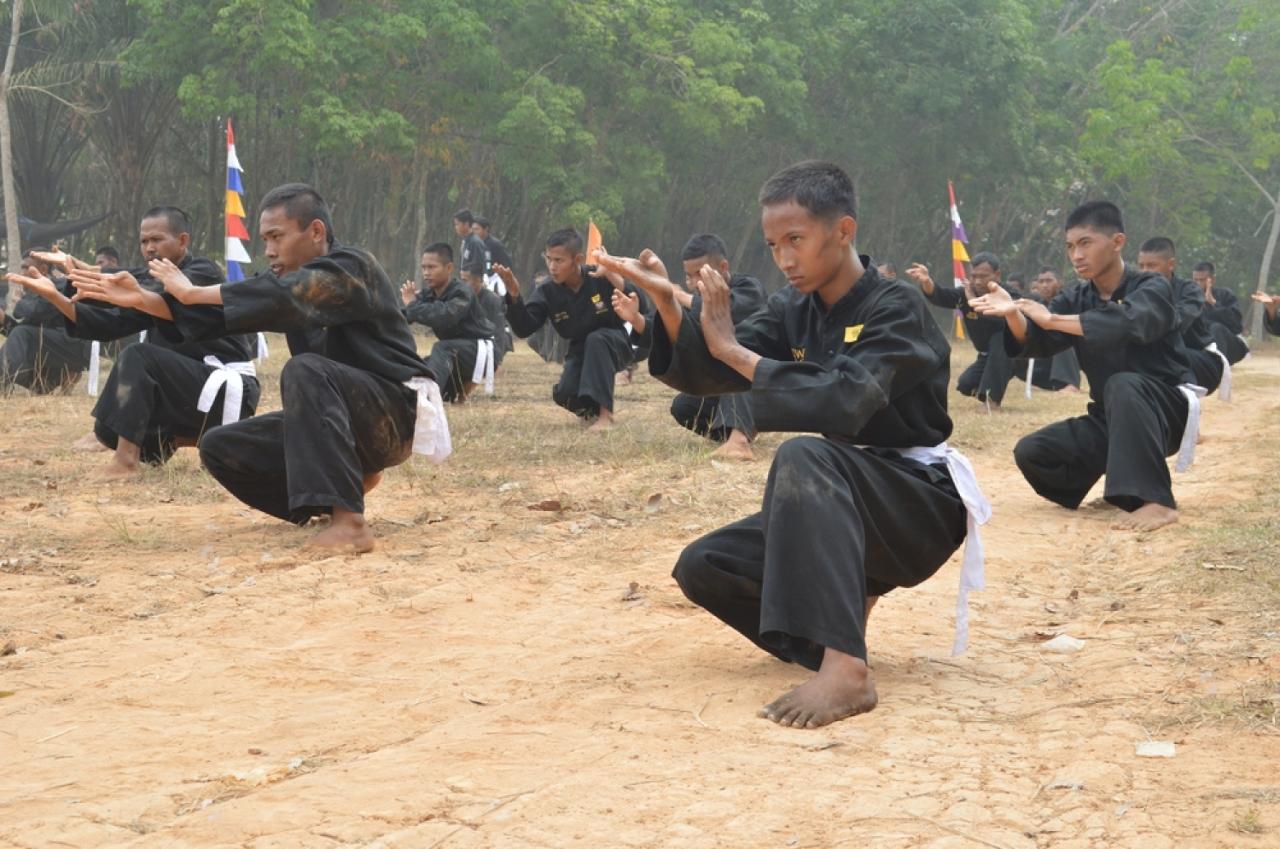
(959, 254)
(237, 235)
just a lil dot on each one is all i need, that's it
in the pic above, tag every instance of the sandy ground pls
(495, 675)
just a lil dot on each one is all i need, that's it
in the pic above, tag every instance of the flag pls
(959, 254)
(594, 239)
(237, 234)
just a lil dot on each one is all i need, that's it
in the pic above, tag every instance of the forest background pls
(659, 118)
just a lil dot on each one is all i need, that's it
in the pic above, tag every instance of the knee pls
(692, 571)
(1029, 453)
(302, 370)
(1121, 389)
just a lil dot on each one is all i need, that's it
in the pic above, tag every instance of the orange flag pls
(959, 326)
(594, 240)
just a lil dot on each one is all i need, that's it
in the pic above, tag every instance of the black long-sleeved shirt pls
(104, 322)
(340, 305)
(1225, 310)
(455, 313)
(1136, 330)
(572, 314)
(980, 329)
(1189, 301)
(473, 258)
(871, 370)
(497, 252)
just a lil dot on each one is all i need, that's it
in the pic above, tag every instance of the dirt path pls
(500, 676)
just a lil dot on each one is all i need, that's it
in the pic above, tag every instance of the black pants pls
(452, 362)
(988, 376)
(1062, 369)
(839, 523)
(1207, 368)
(41, 359)
(1235, 348)
(338, 424)
(150, 399)
(714, 416)
(1140, 424)
(586, 384)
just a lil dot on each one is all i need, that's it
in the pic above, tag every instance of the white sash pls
(1224, 387)
(483, 372)
(431, 428)
(228, 374)
(972, 568)
(1190, 433)
(494, 282)
(142, 337)
(1031, 364)
(95, 356)
(263, 353)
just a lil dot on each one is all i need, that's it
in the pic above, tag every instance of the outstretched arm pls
(648, 272)
(45, 288)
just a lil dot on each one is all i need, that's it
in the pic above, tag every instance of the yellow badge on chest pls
(851, 334)
(595, 299)
(797, 354)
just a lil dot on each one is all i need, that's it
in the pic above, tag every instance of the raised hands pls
(717, 315)
(508, 278)
(39, 284)
(174, 281)
(59, 259)
(1271, 302)
(628, 309)
(646, 271)
(920, 274)
(408, 292)
(997, 302)
(120, 288)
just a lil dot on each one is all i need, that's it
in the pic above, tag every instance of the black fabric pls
(498, 253)
(454, 313)
(150, 399)
(452, 362)
(1225, 310)
(1206, 369)
(1271, 324)
(495, 310)
(1054, 373)
(987, 377)
(980, 329)
(590, 369)
(339, 423)
(1143, 424)
(714, 416)
(839, 523)
(473, 258)
(41, 359)
(871, 370)
(1229, 343)
(1137, 330)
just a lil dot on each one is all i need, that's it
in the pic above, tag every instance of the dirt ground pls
(177, 675)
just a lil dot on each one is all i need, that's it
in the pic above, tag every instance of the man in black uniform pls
(988, 376)
(165, 392)
(348, 411)
(725, 418)
(1270, 319)
(464, 336)
(868, 506)
(490, 294)
(1158, 255)
(1125, 328)
(1223, 312)
(39, 355)
(1061, 372)
(579, 305)
(473, 259)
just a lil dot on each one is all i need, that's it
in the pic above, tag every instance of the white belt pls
(1191, 432)
(228, 374)
(1224, 387)
(430, 428)
(142, 337)
(1031, 365)
(978, 510)
(263, 353)
(494, 282)
(95, 355)
(483, 372)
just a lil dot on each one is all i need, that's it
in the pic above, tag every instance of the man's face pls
(1092, 252)
(104, 260)
(1162, 264)
(982, 276)
(807, 249)
(1203, 279)
(1046, 285)
(561, 263)
(159, 242)
(482, 232)
(692, 267)
(289, 245)
(461, 227)
(435, 271)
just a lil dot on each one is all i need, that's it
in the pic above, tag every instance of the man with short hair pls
(39, 355)
(472, 259)
(1209, 368)
(107, 258)
(1222, 312)
(1061, 372)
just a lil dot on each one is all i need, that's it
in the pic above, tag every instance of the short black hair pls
(1159, 245)
(179, 222)
(1207, 267)
(108, 250)
(704, 244)
(302, 204)
(985, 258)
(482, 221)
(440, 249)
(1049, 269)
(464, 215)
(821, 188)
(567, 238)
(1101, 215)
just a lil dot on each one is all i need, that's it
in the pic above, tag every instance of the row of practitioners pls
(870, 500)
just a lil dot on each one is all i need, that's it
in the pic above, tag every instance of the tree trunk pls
(1264, 271)
(13, 238)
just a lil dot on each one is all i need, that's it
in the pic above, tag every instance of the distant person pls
(1061, 372)
(1223, 312)
(472, 256)
(107, 258)
(988, 376)
(39, 354)
(1209, 368)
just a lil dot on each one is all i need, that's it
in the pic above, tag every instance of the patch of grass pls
(1246, 822)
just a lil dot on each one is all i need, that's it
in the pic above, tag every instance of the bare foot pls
(1148, 517)
(347, 530)
(1100, 504)
(736, 447)
(89, 442)
(1069, 389)
(842, 688)
(988, 406)
(604, 421)
(116, 469)
(370, 481)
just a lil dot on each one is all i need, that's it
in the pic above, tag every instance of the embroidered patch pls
(797, 354)
(851, 334)
(595, 299)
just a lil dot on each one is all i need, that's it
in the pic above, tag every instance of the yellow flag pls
(593, 239)
(959, 326)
